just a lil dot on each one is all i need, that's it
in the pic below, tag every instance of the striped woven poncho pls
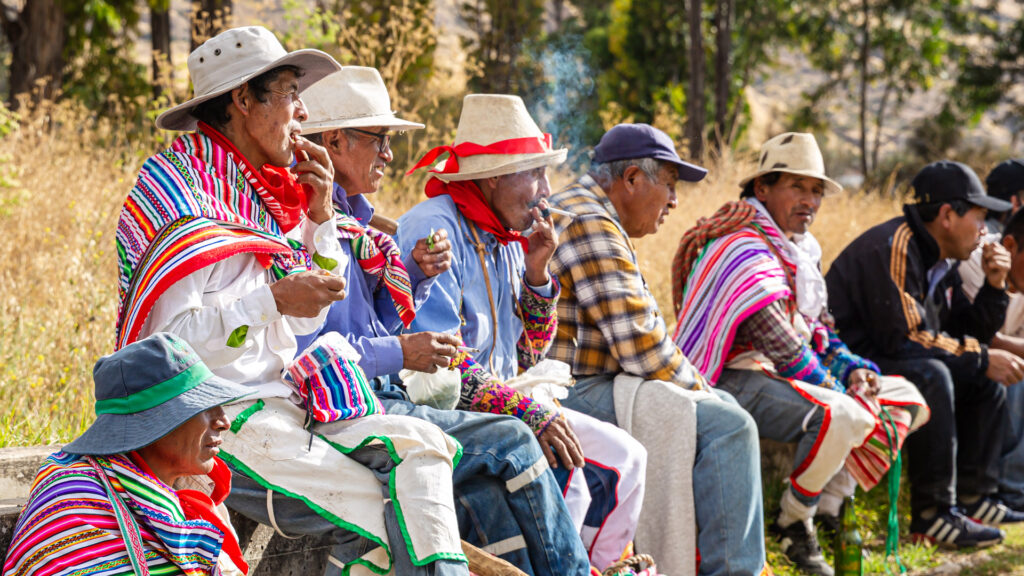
(194, 204)
(68, 527)
(725, 271)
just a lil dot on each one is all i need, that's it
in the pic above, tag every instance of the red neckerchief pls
(470, 201)
(284, 198)
(198, 506)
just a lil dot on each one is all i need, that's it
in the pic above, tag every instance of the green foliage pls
(994, 67)
(506, 32)
(101, 71)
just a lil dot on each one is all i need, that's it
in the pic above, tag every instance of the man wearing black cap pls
(897, 299)
(1006, 182)
(630, 373)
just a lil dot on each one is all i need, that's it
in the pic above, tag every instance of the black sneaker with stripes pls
(951, 529)
(992, 512)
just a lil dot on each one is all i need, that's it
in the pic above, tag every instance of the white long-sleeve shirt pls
(207, 306)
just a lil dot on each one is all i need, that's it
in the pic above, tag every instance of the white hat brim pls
(314, 64)
(522, 163)
(831, 186)
(389, 121)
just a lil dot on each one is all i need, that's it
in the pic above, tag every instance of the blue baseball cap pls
(630, 141)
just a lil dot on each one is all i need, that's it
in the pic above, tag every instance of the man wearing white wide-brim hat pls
(229, 241)
(499, 297)
(753, 317)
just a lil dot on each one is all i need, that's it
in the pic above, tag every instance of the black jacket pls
(877, 291)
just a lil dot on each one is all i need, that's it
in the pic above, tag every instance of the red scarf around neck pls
(470, 201)
(198, 506)
(284, 198)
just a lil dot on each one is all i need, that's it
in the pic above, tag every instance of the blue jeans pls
(1011, 461)
(294, 518)
(726, 477)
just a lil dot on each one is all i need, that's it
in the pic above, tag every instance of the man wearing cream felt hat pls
(499, 296)
(753, 317)
(228, 240)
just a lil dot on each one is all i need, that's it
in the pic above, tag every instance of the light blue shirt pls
(367, 317)
(461, 292)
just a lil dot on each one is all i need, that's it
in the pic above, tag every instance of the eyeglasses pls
(383, 138)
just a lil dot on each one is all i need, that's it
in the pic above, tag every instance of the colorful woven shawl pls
(194, 204)
(68, 526)
(378, 254)
(735, 275)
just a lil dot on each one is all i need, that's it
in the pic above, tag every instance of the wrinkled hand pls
(426, 351)
(543, 242)
(559, 438)
(864, 381)
(1004, 367)
(995, 262)
(303, 295)
(433, 257)
(314, 169)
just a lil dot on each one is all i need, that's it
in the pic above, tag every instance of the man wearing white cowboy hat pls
(222, 244)
(350, 114)
(753, 317)
(501, 301)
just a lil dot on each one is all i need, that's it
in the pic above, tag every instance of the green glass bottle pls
(848, 546)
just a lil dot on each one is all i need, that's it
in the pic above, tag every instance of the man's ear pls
(333, 140)
(630, 177)
(241, 97)
(945, 216)
(1010, 243)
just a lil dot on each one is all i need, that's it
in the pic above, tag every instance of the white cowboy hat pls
(353, 97)
(496, 136)
(794, 153)
(234, 57)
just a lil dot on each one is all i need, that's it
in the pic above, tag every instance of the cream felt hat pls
(496, 136)
(353, 97)
(234, 57)
(795, 153)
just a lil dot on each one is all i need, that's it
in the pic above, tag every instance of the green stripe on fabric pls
(237, 337)
(244, 415)
(416, 561)
(230, 459)
(156, 395)
(325, 262)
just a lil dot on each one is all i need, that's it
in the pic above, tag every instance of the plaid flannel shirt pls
(608, 321)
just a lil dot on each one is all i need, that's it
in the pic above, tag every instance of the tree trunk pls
(723, 70)
(695, 99)
(209, 18)
(163, 68)
(37, 37)
(865, 53)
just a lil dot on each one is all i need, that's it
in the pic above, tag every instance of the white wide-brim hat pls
(496, 121)
(794, 153)
(234, 57)
(353, 97)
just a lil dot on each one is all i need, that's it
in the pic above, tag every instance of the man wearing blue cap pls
(897, 299)
(630, 373)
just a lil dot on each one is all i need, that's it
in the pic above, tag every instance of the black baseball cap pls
(629, 141)
(1006, 179)
(946, 180)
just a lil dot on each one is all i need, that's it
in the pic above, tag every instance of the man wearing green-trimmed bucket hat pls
(111, 492)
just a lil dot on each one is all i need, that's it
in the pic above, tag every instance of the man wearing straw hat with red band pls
(225, 246)
(499, 296)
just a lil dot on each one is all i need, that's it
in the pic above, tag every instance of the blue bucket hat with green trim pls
(146, 390)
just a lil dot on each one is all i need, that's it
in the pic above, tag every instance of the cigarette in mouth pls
(545, 212)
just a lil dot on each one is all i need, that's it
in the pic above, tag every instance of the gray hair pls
(607, 172)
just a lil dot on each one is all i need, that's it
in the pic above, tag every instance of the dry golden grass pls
(63, 176)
